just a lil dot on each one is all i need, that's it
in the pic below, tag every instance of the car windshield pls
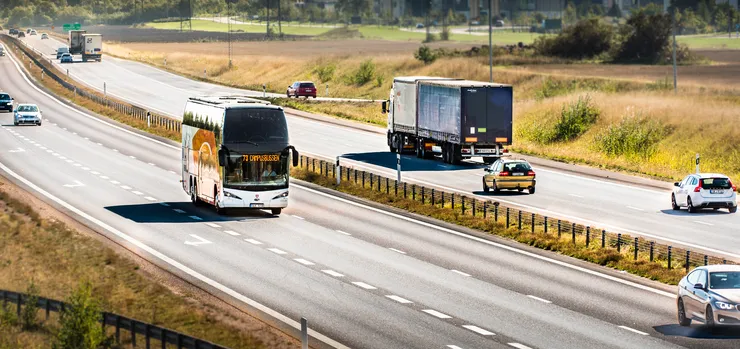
(4, 96)
(517, 167)
(28, 108)
(716, 183)
(724, 280)
(248, 171)
(307, 85)
(255, 125)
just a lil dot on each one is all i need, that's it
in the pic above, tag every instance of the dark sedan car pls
(301, 88)
(6, 102)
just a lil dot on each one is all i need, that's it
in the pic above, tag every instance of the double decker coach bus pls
(236, 153)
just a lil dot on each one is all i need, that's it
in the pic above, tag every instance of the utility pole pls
(490, 41)
(675, 69)
(280, 27)
(228, 26)
(268, 17)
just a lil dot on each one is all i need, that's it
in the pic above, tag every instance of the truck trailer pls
(75, 42)
(92, 47)
(454, 118)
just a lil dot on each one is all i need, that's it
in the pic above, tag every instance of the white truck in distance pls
(92, 47)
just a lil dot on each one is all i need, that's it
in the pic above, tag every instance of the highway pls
(363, 277)
(601, 203)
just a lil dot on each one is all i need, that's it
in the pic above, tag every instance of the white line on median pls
(276, 250)
(633, 330)
(399, 299)
(539, 299)
(196, 218)
(459, 272)
(150, 198)
(301, 218)
(479, 330)
(332, 273)
(137, 192)
(253, 241)
(303, 261)
(437, 314)
(364, 285)
(395, 250)
(705, 223)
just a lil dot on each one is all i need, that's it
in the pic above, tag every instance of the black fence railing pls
(140, 333)
(136, 112)
(509, 217)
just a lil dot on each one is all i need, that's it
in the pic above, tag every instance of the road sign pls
(67, 27)
(76, 26)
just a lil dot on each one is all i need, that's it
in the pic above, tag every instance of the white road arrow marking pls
(19, 150)
(196, 243)
(78, 184)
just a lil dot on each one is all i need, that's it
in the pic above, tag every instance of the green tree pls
(31, 307)
(615, 11)
(644, 38)
(21, 16)
(80, 327)
(570, 15)
(353, 7)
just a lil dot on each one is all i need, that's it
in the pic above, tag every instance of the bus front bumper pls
(232, 198)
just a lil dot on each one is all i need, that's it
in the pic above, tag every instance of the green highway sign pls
(67, 27)
(76, 26)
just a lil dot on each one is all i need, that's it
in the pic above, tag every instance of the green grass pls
(712, 41)
(206, 25)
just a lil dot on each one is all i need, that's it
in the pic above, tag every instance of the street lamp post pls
(490, 41)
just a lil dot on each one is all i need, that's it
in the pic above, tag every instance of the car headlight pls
(230, 195)
(283, 195)
(724, 306)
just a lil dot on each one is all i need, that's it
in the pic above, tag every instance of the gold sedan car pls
(509, 174)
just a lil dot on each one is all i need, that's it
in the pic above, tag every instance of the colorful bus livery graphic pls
(236, 153)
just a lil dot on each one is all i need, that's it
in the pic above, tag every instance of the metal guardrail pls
(638, 248)
(152, 119)
(135, 327)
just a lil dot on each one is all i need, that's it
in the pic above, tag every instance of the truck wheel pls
(445, 154)
(489, 161)
(456, 155)
(419, 151)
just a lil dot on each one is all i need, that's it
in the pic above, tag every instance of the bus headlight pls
(283, 195)
(230, 195)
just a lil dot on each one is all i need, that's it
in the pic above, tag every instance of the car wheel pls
(709, 316)
(682, 319)
(495, 187)
(531, 190)
(690, 205)
(732, 209)
(38, 123)
(520, 189)
(15, 123)
(276, 211)
(485, 187)
(673, 203)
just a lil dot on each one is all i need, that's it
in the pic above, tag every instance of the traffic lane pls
(88, 127)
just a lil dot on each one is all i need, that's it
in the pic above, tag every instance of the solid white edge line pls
(253, 241)
(495, 244)
(453, 346)
(213, 225)
(276, 250)
(555, 214)
(459, 272)
(539, 299)
(84, 114)
(633, 330)
(437, 314)
(704, 223)
(479, 330)
(344, 232)
(519, 346)
(301, 218)
(395, 250)
(364, 285)
(231, 232)
(174, 263)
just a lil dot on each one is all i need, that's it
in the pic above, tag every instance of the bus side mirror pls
(385, 107)
(295, 157)
(222, 157)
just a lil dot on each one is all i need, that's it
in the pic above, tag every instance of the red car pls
(302, 88)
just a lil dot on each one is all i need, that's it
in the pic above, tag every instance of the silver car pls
(710, 295)
(27, 114)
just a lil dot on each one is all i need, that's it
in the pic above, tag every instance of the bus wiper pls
(248, 142)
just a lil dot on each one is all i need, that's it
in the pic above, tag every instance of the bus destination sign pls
(261, 157)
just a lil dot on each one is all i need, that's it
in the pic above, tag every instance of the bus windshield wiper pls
(249, 142)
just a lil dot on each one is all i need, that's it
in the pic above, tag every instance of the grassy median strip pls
(618, 251)
(56, 259)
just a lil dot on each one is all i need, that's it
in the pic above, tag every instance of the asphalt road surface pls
(600, 203)
(362, 276)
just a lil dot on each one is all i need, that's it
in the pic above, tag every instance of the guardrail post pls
(603, 238)
(533, 216)
(573, 233)
(706, 260)
(47, 306)
(462, 204)
(165, 62)
(495, 212)
(264, 91)
(452, 201)
(67, 73)
(724, 261)
(147, 335)
(432, 198)
(637, 246)
(179, 341)
(588, 236)
(619, 242)
(652, 247)
(545, 224)
(507, 218)
(485, 208)
(18, 304)
(304, 333)
(327, 90)
(387, 185)
(670, 256)
(560, 230)
(472, 206)
(148, 119)
(204, 74)
(164, 338)
(404, 190)
(413, 192)
(688, 257)
(339, 172)
(133, 333)
(422, 194)
(118, 329)
(519, 220)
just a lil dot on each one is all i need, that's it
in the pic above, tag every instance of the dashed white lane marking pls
(635, 208)
(276, 250)
(115, 182)
(705, 223)
(395, 250)
(152, 164)
(196, 218)
(87, 139)
(231, 232)
(253, 241)
(86, 168)
(126, 187)
(99, 143)
(137, 192)
(64, 128)
(131, 156)
(519, 346)
(94, 172)
(164, 204)
(332, 273)
(437, 314)
(104, 177)
(78, 165)
(213, 225)
(301, 218)
(67, 160)
(459, 272)
(539, 299)
(49, 151)
(453, 346)
(345, 233)
(633, 330)
(173, 172)
(150, 198)
(364, 285)
(479, 330)
(43, 148)
(303, 261)
(178, 210)
(399, 299)
(74, 133)
(115, 150)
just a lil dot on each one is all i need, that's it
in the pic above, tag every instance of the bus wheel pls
(276, 211)
(194, 194)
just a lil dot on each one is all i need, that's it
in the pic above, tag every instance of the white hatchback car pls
(27, 114)
(705, 190)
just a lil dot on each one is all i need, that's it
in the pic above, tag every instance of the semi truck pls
(92, 47)
(74, 41)
(457, 119)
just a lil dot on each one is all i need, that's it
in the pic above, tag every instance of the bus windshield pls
(255, 125)
(251, 171)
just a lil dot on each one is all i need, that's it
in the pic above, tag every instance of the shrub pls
(644, 38)
(586, 39)
(79, 322)
(430, 38)
(365, 73)
(575, 119)
(425, 55)
(379, 80)
(634, 135)
(445, 34)
(30, 310)
(325, 72)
